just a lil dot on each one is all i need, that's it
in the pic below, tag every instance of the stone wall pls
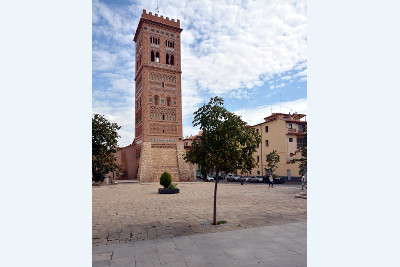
(158, 158)
(145, 163)
(185, 169)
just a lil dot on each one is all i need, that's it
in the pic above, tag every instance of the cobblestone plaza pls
(129, 212)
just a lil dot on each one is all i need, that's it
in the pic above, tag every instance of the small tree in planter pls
(169, 188)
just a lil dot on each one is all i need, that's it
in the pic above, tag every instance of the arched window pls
(166, 59)
(163, 117)
(172, 60)
(157, 57)
(156, 98)
(168, 101)
(152, 56)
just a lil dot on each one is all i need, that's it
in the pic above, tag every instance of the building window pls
(266, 129)
(290, 139)
(157, 57)
(266, 143)
(256, 130)
(290, 126)
(258, 172)
(258, 145)
(258, 158)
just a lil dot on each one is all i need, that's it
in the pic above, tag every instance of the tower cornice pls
(159, 21)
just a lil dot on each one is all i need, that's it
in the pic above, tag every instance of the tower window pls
(152, 56)
(157, 57)
(266, 129)
(166, 59)
(162, 84)
(163, 117)
(156, 100)
(172, 60)
(266, 143)
(168, 101)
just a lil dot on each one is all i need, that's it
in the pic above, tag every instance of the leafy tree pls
(198, 154)
(224, 143)
(303, 159)
(104, 144)
(272, 161)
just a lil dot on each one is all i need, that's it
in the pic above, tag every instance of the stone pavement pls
(278, 245)
(134, 212)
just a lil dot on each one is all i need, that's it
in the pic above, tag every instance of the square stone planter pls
(168, 191)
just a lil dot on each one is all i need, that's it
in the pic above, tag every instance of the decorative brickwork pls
(158, 113)
(158, 128)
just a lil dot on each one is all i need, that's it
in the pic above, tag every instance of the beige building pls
(285, 134)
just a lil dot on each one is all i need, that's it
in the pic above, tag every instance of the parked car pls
(277, 179)
(209, 178)
(236, 178)
(255, 179)
(229, 177)
(243, 178)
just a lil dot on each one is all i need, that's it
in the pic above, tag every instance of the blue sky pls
(253, 54)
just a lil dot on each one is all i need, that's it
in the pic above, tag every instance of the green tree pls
(104, 144)
(272, 161)
(198, 154)
(224, 142)
(303, 159)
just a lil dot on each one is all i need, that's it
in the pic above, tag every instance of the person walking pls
(303, 181)
(271, 181)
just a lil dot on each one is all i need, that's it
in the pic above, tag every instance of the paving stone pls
(106, 263)
(101, 256)
(223, 260)
(152, 263)
(121, 252)
(196, 259)
(123, 262)
(175, 264)
(170, 257)
(102, 248)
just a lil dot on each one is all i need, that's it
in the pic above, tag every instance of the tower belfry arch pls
(158, 114)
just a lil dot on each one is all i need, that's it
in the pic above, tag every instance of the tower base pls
(158, 158)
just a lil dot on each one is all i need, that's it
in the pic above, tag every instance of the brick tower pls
(158, 102)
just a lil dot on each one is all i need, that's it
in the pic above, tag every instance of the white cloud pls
(228, 48)
(256, 115)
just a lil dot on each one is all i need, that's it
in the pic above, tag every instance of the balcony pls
(292, 130)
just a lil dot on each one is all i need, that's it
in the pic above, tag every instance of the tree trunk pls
(215, 201)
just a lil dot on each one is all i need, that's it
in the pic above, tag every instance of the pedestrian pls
(303, 181)
(271, 181)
